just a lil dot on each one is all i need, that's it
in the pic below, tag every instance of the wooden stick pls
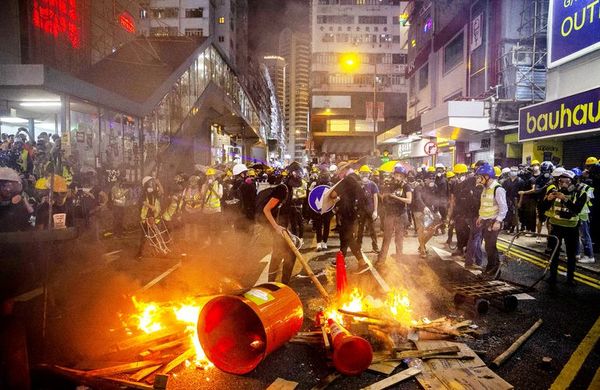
(512, 349)
(168, 345)
(325, 339)
(177, 361)
(307, 268)
(392, 380)
(427, 352)
(123, 368)
(143, 373)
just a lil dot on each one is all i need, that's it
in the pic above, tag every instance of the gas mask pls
(566, 185)
(461, 178)
(364, 179)
(536, 169)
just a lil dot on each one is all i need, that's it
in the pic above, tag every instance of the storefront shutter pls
(576, 151)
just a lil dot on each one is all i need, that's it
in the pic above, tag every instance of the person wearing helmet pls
(367, 212)
(532, 213)
(291, 213)
(192, 210)
(590, 161)
(15, 211)
(150, 207)
(585, 249)
(243, 197)
(440, 191)
(460, 195)
(397, 198)
(347, 194)
(492, 211)
(61, 204)
(211, 194)
(118, 197)
(565, 204)
(512, 185)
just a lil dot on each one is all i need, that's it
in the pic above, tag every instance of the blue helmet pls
(400, 169)
(577, 172)
(486, 169)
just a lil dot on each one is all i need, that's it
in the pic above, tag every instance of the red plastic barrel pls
(351, 354)
(238, 332)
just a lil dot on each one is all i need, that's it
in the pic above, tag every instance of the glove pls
(374, 215)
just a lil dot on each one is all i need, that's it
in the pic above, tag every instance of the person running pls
(492, 212)
(397, 197)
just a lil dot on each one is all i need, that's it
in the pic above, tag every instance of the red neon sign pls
(126, 21)
(58, 17)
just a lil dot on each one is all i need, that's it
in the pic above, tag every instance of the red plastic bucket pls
(238, 332)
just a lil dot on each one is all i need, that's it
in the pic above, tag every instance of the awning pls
(349, 145)
(455, 120)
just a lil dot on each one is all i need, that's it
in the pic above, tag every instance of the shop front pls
(565, 131)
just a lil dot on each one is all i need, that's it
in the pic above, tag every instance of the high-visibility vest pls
(558, 207)
(212, 202)
(146, 210)
(173, 208)
(489, 208)
(192, 201)
(588, 190)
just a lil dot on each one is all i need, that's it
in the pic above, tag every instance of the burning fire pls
(396, 307)
(152, 317)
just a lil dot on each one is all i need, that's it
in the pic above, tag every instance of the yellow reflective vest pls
(489, 208)
(212, 201)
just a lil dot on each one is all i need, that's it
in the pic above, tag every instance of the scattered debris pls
(392, 380)
(282, 384)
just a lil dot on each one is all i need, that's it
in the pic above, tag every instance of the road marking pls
(444, 255)
(160, 277)
(29, 295)
(595, 384)
(264, 275)
(524, 297)
(570, 370)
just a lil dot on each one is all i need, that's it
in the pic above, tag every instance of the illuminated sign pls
(58, 18)
(126, 21)
(574, 29)
(579, 113)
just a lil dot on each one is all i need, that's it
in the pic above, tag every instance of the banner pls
(573, 114)
(369, 109)
(380, 112)
(573, 30)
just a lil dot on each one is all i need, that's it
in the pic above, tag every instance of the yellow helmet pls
(229, 173)
(376, 172)
(450, 174)
(251, 172)
(591, 161)
(365, 169)
(535, 162)
(498, 171)
(460, 168)
(40, 184)
(431, 169)
(284, 173)
(211, 172)
(472, 165)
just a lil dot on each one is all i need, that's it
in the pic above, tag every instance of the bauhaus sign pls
(579, 113)
(573, 29)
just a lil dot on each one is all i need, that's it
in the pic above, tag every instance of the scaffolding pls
(522, 66)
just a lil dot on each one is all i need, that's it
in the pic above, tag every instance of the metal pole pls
(375, 106)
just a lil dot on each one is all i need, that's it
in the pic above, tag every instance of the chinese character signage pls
(476, 34)
(573, 29)
(573, 114)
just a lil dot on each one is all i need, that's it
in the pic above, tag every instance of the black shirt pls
(351, 194)
(14, 217)
(417, 205)
(394, 206)
(280, 193)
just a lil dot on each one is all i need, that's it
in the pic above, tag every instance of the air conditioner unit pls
(521, 58)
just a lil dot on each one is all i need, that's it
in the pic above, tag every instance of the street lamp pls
(350, 63)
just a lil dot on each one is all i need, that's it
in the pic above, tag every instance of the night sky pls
(268, 17)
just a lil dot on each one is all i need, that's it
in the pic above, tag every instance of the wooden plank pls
(471, 359)
(428, 352)
(123, 368)
(325, 339)
(392, 380)
(324, 382)
(385, 367)
(168, 345)
(178, 360)
(481, 378)
(570, 370)
(520, 341)
(147, 339)
(282, 384)
(145, 372)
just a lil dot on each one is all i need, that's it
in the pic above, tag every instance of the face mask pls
(512, 174)
(150, 190)
(536, 169)
(439, 174)
(461, 178)
(210, 181)
(431, 184)
(365, 180)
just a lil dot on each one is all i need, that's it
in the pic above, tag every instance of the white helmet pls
(440, 165)
(558, 172)
(568, 173)
(505, 170)
(239, 168)
(333, 168)
(9, 174)
(146, 179)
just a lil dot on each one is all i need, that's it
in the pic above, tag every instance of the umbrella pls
(389, 166)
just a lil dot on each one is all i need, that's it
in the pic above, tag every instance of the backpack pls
(263, 197)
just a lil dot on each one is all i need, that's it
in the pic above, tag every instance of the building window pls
(335, 19)
(194, 12)
(372, 19)
(399, 59)
(193, 32)
(338, 125)
(164, 31)
(423, 76)
(221, 20)
(395, 38)
(221, 38)
(341, 38)
(164, 13)
(398, 79)
(453, 52)
(328, 38)
(143, 13)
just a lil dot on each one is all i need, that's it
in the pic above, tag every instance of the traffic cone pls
(340, 275)
(351, 354)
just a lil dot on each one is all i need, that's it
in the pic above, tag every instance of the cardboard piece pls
(282, 384)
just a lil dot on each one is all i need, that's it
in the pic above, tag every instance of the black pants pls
(365, 221)
(296, 220)
(322, 223)
(348, 227)
(528, 215)
(570, 236)
(490, 237)
(118, 217)
(462, 231)
(282, 258)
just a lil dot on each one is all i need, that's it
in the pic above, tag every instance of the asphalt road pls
(90, 293)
